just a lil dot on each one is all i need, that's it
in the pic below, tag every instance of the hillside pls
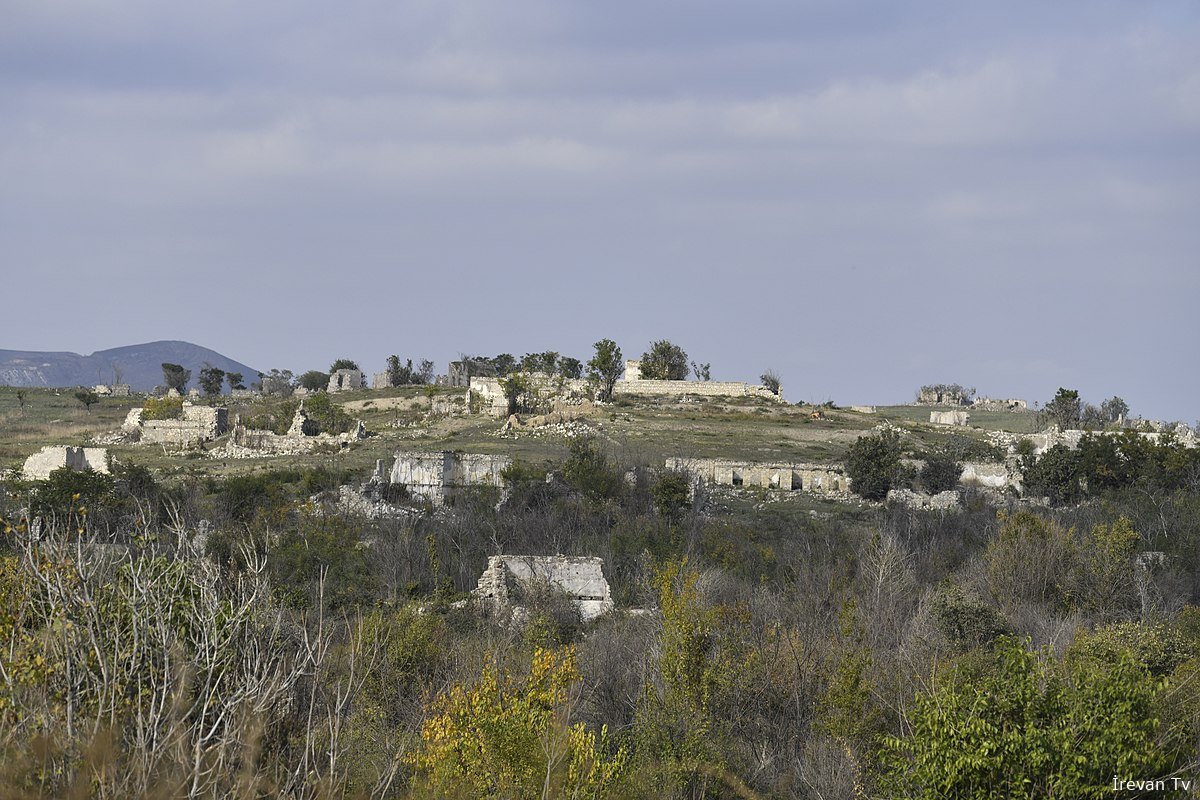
(139, 365)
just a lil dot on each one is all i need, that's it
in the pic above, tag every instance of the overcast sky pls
(865, 196)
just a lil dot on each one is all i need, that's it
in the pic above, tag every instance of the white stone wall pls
(345, 380)
(703, 388)
(39, 465)
(990, 476)
(823, 478)
(547, 388)
(199, 424)
(580, 577)
(949, 417)
(436, 475)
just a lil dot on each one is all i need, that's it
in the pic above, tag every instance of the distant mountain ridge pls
(140, 365)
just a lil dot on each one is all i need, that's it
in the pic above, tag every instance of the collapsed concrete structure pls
(579, 577)
(949, 417)
(821, 478)
(39, 465)
(437, 476)
(346, 380)
(197, 424)
(633, 383)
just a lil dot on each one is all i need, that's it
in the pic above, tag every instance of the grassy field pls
(640, 429)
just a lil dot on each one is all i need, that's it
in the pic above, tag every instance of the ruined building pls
(580, 577)
(346, 380)
(823, 478)
(39, 465)
(197, 424)
(633, 383)
(437, 476)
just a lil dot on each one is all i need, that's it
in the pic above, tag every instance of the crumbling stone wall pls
(303, 436)
(949, 417)
(703, 388)
(39, 465)
(199, 424)
(346, 380)
(580, 577)
(1070, 438)
(994, 404)
(633, 383)
(942, 501)
(822, 478)
(434, 476)
(489, 395)
(460, 373)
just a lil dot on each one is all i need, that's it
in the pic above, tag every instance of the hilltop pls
(139, 365)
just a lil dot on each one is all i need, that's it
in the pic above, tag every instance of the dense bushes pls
(782, 649)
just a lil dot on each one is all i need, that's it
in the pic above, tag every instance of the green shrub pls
(163, 408)
(873, 464)
(1032, 727)
(588, 470)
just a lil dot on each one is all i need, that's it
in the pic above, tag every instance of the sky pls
(863, 196)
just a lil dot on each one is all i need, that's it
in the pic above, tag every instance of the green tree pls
(1055, 474)
(570, 367)
(1114, 409)
(671, 495)
(588, 470)
(399, 374)
(873, 464)
(314, 380)
(605, 367)
(510, 735)
(1065, 410)
(88, 398)
(665, 361)
(211, 379)
(1031, 727)
(703, 372)
(940, 473)
(277, 381)
(234, 379)
(176, 377)
(516, 388)
(342, 363)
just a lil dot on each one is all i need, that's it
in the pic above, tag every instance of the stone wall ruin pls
(579, 577)
(39, 465)
(949, 417)
(821, 478)
(346, 380)
(198, 424)
(436, 476)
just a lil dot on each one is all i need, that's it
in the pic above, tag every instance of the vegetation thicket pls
(199, 630)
